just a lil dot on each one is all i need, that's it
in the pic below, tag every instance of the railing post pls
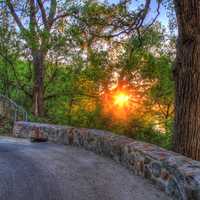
(9, 104)
(15, 116)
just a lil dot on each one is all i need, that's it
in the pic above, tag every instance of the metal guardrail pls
(9, 109)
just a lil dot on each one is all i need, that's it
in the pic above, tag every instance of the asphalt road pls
(43, 171)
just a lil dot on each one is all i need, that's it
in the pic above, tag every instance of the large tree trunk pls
(186, 138)
(38, 87)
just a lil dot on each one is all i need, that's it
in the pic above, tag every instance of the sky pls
(163, 14)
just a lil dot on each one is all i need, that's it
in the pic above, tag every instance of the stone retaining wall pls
(177, 175)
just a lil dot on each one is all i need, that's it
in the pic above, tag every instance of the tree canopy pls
(90, 64)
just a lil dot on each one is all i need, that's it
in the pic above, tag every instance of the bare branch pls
(52, 13)
(60, 16)
(33, 21)
(44, 16)
(15, 16)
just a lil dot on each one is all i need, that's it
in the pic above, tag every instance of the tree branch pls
(60, 16)
(52, 13)
(15, 16)
(33, 21)
(44, 16)
(69, 93)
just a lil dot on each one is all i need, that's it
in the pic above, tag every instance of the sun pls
(121, 99)
(118, 104)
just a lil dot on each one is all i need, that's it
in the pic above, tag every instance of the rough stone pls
(177, 175)
(156, 169)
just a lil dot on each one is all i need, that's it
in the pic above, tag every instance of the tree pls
(35, 20)
(187, 79)
(8, 51)
(40, 22)
(93, 53)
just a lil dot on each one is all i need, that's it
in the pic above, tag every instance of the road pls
(43, 171)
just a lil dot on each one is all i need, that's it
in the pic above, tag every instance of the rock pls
(179, 176)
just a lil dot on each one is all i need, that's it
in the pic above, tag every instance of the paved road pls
(42, 171)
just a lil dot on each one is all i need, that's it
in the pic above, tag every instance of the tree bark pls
(38, 89)
(186, 139)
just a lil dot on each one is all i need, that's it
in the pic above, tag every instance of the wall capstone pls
(175, 174)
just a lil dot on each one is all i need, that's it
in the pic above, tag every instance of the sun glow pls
(118, 104)
(121, 99)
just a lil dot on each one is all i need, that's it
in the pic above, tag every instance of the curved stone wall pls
(177, 175)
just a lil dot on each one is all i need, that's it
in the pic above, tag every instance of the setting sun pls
(121, 99)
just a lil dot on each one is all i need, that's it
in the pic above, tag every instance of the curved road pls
(43, 171)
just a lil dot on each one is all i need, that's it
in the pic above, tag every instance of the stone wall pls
(177, 175)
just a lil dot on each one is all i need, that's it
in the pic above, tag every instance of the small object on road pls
(38, 136)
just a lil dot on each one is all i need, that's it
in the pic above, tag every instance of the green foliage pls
(148, 134)
(83, 63)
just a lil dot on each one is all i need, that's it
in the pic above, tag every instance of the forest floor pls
(44, 171)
